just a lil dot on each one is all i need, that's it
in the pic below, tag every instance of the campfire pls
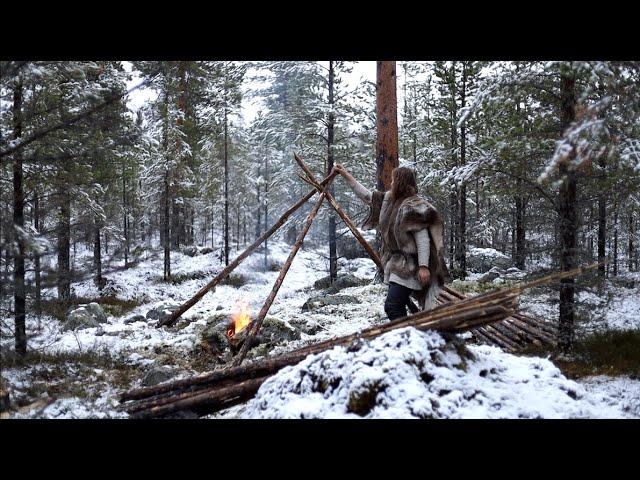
(240, 319)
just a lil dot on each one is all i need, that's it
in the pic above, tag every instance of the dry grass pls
(612, 353)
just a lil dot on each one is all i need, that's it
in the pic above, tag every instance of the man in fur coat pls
(412, 249)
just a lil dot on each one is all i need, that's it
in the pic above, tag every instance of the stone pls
(514, 273)
(484, 259)
(340, 283)
(190, 251)
(85, 316)
(320, 301)
(274, 330)
(156, 376)
(134, 318)
(214, 333)
(348, 246)
(490, 276)
(162, 311)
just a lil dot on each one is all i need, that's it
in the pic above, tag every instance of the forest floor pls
(78, 374)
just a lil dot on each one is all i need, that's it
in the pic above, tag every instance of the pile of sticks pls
(515, 333)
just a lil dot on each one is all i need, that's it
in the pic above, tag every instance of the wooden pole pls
(248, 251)
(257, 323)
(345, 218)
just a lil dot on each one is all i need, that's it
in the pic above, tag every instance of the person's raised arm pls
(362, 192)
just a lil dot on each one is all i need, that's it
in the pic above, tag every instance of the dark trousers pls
(395, 305)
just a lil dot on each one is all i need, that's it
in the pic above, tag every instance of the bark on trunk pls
(226, 189)
(333, 255)
(567, 222)
(19, 294)
(37, 267)
(602, 223)
(386, 124)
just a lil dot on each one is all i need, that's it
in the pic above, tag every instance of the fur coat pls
(397, 221)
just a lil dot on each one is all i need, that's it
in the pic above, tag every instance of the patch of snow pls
(407, 374)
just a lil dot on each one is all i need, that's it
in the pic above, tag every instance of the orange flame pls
(241, 318)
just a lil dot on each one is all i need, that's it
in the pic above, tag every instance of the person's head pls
(403, 183)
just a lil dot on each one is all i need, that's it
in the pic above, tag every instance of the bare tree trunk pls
(226, 187)
(602, 223)
(333, 255)
(64, 244)
(386, 124)
(266, 208)
(568, 224)
(520, 252)
(36, 260)
(124, 217)
(631, 251)
(97, 251)
(462, 244)
(615, 239)
(19, 293)
(166, 234)
(259, 209)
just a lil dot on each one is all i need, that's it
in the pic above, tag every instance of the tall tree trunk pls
(64, 241)
(259, 209)
(266, 208)
(97, 251)
(333, 255)
(602, 221)
(520, 251)
(615, 239)
(19, 294)
(166, 234)
(631, 251)
(124, 217)
(226, 186)
(386, 124)
(568, 224)
(36, 260)
(462, 244)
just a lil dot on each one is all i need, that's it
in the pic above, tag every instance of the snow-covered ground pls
(513, 387)
(406, 374)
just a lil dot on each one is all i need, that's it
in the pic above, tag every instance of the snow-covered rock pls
(323, 300)
(162, 311)
(484, 259)
(347, 245)
(411, 374)
(157, 375)
(490, 276)
(85, 316)
(341, 282)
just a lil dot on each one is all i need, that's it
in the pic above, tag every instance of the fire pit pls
(237, 330)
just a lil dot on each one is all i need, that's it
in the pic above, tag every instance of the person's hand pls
(340, 169)
(424, 275)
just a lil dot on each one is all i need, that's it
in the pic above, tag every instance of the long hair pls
(404, 183)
